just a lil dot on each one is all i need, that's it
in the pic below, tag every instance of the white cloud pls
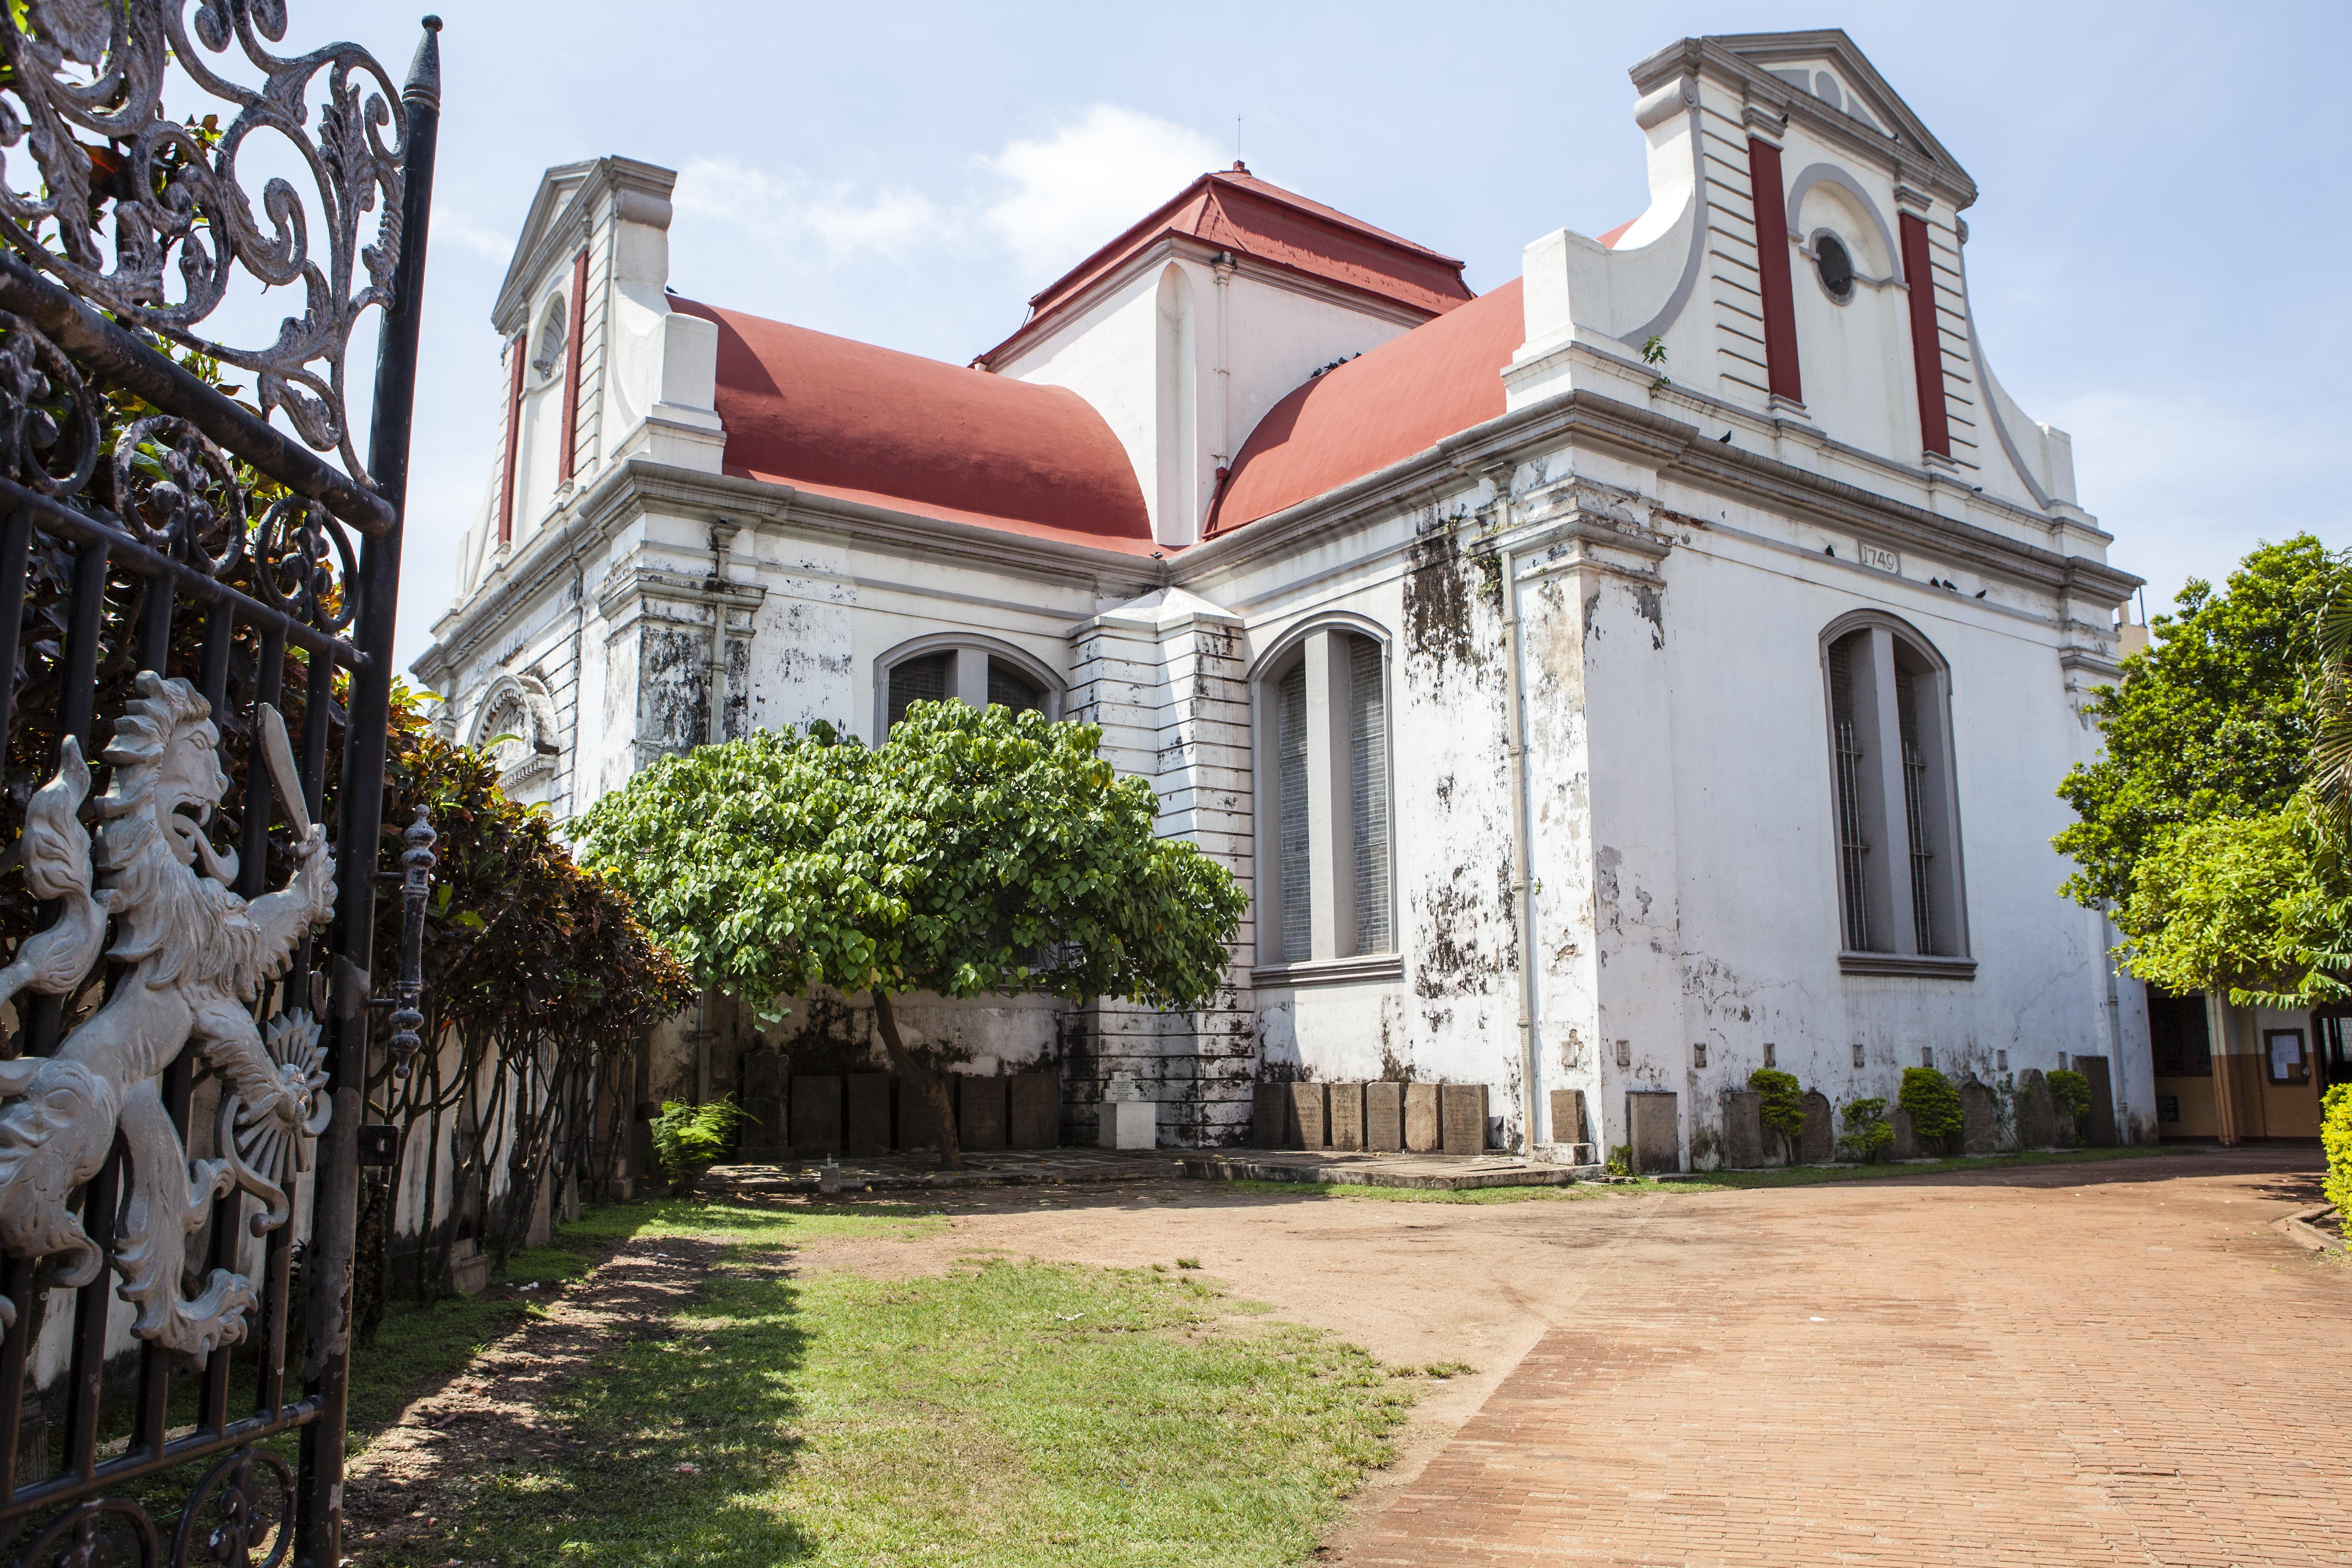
(786, 212)
(2188, 483)
(455, 225)
(1079, 187)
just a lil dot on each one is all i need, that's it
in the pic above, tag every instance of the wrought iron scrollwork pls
(240, 1516)
(150, 218)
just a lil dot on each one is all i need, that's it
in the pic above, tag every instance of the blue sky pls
(2158, 256)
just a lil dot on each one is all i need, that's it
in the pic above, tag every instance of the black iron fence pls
(198, 587)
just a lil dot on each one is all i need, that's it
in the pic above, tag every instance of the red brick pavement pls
(2059, 1366)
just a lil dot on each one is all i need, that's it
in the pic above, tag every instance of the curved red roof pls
(1401, 398)
(867, 423)
(1234, 210)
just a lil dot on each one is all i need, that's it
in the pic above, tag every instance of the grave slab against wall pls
(1461, 1110)
(1033, 1109)
(1307, 1124)
(1384, 1118)
(1567, 1116)
(1819, 1139)
(1653, 1127)
(866, 1120)
(1907, 1138)
(1420, 1124)
(2099, 1124)
(1346, 1106)
(764, 1136)
(817, 1115)
(916, 1128)
(980, 1113)
(1980, 1125)
(1743, 1129)
(2037, 1118)
(1269, 1115)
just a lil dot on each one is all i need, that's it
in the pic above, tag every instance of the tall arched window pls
(973, 669)
(1324, 891)
(1900, 892)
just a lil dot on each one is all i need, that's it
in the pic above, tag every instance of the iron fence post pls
(319, 1533)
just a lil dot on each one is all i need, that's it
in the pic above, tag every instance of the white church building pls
(1654, 668)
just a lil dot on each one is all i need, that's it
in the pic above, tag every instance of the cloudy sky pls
(2158, 256)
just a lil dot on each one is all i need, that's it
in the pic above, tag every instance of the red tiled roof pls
(867, 423)
(1234, 210)
(1401, 398)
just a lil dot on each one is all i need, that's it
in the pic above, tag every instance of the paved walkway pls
(2050, 1365)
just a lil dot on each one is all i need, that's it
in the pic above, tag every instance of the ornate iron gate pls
(181, 1098)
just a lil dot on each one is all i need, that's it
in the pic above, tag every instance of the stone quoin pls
(1673, 646)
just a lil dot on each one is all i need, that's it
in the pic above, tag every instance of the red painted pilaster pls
(1772, 199)
(568, 459)
(1927, 340)
(515, 355)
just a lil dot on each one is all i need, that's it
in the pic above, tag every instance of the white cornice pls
(562, 215)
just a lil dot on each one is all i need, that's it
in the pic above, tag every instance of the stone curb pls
(2298, 1227)
(1225, 1168)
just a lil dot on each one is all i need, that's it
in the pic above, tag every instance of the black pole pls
(358, 833)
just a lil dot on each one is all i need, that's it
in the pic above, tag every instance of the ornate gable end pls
(1836, 89)
(556, 189)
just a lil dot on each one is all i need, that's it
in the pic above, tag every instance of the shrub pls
(1931, 1101)
(1621, 1161)
(1784, 1104)
(2335, 1138)
(689, 1139)
(2070, 1095)
(1867, 1135)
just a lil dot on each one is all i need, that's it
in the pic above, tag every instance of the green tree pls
(2240, 904)
(1782, 1106)
(2215, 720)
(971, 853)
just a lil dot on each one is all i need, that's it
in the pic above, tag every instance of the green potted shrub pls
(2070, 1096)
(1867, 1136)
(689, 1139)
(1928, 1097)
(1783, 1107)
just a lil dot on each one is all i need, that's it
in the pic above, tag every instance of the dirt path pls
(2080, 1364)
(417, 1471)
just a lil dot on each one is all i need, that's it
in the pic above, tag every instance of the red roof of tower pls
(1234, 210)
(1401, 398)
(861, 422)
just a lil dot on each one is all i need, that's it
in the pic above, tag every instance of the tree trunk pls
(915, 1075)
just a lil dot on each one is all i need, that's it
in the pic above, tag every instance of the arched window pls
(515, 726)
(1324, 869)
(978, 670)
(1900, 891)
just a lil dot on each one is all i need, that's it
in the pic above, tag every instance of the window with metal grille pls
(1296, 818)
(923, 679)
(1008, 688)
(1854, 849)
(1368, 741)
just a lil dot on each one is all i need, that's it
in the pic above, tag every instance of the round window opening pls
(1836, 266)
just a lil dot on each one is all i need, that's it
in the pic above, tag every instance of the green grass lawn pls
(1006, 1414)
(1702, 1182)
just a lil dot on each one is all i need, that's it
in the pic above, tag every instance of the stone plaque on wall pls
(1385, 1117)
(817, 1116)
(1308, 1125)
(1347, 1104)
(866, 1122)
(1421, 1118)
(1033, 1110)
(764, 1136)
(1269, 1112)
(1819, 1139)
(1979, 1123)
(980, 1113)
(1461, 1111)
(1651, 1127)
(1743, 1129)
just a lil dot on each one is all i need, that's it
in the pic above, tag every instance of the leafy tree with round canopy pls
(974, 852)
